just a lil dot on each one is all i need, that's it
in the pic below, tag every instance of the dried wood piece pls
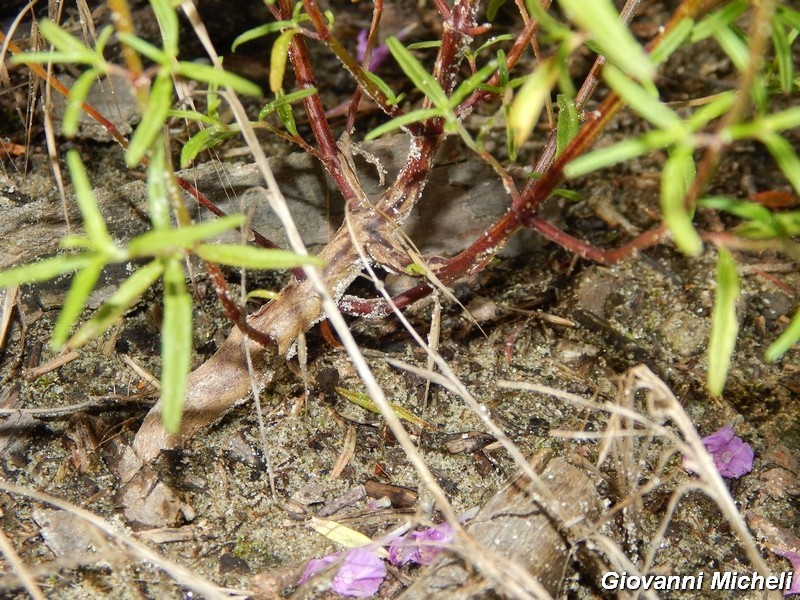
(514, 525)
(400, 497)
(334, 505)
(347, 453)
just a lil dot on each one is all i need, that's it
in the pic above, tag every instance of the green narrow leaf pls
(144, 48)
(740, 208)
(286, 115)
(44, 269)
(528, 103)
(719, 19)
(112, 309)
(278, 58)
(176, 345)
(502, 69)
(263, 295)
(77, 96)
(676, 177)
(66, 43)
(218, 77)
(783, 55)
(413, 117)
(203, 140)
(102, 39)
(168, 22)
(724, 326)
(506, 37)
(157, 199)
(190, 115)
(285, 100)
(249, 257)
(469, 85)
(379, 83)
(673, 40)
(538, 12)
(494, 6)
(620, 152)
(75, 241)
(720, 104)
(647, 106)
(260, 31)
(601, 20)
(790, 17)
(168, 240)
(425, 82)
(765, 125)
(780, 121)
(785, 341)
(786, 157)
(93, 221)
(47, 57)
(568, 123)
(734, 46)
(153, 119)
(82, 285)
(425, 45)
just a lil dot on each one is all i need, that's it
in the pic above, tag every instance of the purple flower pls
(420, 547)
(732, 456)
(794, 558)
(360, 573)
(318, 565)
(379, 53)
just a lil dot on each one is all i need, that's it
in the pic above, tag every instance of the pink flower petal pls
(361, 574)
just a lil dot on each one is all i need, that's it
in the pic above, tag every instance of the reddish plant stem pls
(524, 211)
(455, 40)
(479, 96)
(301, 64)
(232, 310)
(443, 9)
(585, 92)
(259, 239)
(372, 39)
(377, 308)
(585, 250)
(350, 63)
(429, 133)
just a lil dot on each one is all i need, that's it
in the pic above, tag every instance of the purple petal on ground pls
(361, 574)
(317, 565)
(432, 541)
(793, 557)
(732, 456)
(403, 551)
(420, 547)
